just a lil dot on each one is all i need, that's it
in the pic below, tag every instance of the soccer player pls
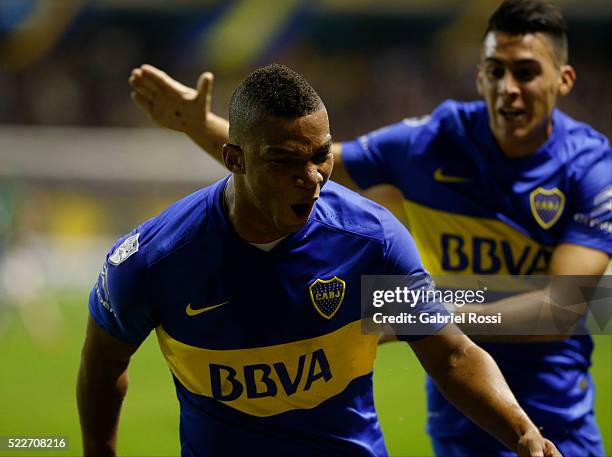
(510, 185)
(253, 287)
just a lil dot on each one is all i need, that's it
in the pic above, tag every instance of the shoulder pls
(456, 116)
(344, 210)
(582, 145)
(451, 119)
(163, 234)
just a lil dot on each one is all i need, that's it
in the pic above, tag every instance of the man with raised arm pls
(253, 288)
(510, 185)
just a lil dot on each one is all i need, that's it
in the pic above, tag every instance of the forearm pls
(473, 383)
(519, 315)
(539, 315)
(101, 388)
(212, 136)
(551, 313)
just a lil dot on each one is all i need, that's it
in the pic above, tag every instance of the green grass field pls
(37, 390)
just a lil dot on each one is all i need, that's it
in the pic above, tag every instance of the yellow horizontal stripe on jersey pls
(270, 380)
(451, 243)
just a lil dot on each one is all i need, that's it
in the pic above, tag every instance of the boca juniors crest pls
(327, 295)
(546, 206)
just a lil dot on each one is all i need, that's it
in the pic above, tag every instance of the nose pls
(508, 85)
(311, 177)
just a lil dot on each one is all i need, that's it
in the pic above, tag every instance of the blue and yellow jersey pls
(265, 348)
(471, 210)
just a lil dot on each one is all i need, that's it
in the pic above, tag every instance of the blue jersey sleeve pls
(377, 158)
(121, 301)
(590, 206)
(402, 259)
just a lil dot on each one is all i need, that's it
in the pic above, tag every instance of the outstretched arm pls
(469, 378)
(172, 105)
(101, 386)
(555, 309)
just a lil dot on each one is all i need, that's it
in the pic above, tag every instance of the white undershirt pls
(267, 247)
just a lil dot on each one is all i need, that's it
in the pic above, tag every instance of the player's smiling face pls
(520, 78)
(285, 172)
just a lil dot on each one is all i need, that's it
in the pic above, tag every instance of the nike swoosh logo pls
(441, 177)
(194, 312)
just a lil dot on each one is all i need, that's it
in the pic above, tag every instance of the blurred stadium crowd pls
(373, 62)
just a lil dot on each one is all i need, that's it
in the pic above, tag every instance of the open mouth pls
(511, 114)
(302, 209)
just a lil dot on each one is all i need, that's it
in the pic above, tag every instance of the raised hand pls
(168, 102)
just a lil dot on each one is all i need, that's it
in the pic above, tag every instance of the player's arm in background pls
(121, 315)
(173, 105)
(556, 309)
(465, 374)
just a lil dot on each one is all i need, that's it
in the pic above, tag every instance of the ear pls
(233, 158)
(567, 76)
(478, 77)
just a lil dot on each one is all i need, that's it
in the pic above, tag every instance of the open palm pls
(169, 103)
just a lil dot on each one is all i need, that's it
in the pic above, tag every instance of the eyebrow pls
(279, 150)
(325, 146)
(514, 62)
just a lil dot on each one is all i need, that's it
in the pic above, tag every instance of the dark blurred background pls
(65, 62)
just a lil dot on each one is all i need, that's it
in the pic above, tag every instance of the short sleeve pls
(402, 259)
(374, 158)
(120, 301)
(590, 207)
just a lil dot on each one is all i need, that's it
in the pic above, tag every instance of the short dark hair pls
(518, 17)
(274, 90)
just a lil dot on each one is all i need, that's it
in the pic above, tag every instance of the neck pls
(516, 148)
(248, 222)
